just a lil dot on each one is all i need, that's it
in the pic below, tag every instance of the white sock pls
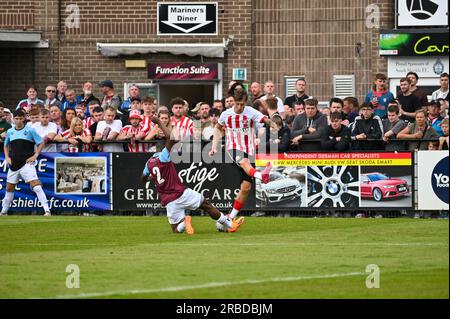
(234, 213)
(181, 227)
(258, 175)
(224, 220)
(41, 196)
(9, 196)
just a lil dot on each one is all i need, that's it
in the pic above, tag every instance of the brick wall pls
(17, 14)
(275, 38)
(318, 39)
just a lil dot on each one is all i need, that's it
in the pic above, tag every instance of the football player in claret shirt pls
(21, 157)
(176, 197)
(239, 125)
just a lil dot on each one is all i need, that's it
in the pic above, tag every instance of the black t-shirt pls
(410, 104)
(294, 100)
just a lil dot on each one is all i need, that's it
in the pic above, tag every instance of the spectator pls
(214, 114)
(336, 136)
(8, 116)
(50, 96)
(433, 146)
(206, 122)
(56, 115)
(78, 137)
(255, 92)
(89, 120)
(149, 108)
(434, 117)
(217, 104)
(61, 94)
(30, 100)
(229, 101)
(444, 106)
(414, 78)
(185, 110)
(442, 93)
(135, 105)
(308, 126)
(97, 116)
(183, 124)
(367, 131)
(290, 121)
(380, 97)
(350, 108)
(134, 132)
(337, 105)
(67, 117)
(88, 96)
(133, 92)
(110, 98)
(72, 100)
(108, 130)
(47, 130)
(326, 111)
(278, 136)
(408, 102)
(299, 97)
(391, 127)
(195, 111)
(299, 109)
(156, 133)
(80, 111)
(4, 125)
(33, 116)
(261, 106)
(418, 130)
(443, 140)
(272, 106)
(268, 91)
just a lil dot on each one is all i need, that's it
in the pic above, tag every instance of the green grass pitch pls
(139, 257)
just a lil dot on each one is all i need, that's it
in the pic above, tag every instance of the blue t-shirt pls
(21, 145)
(383, 99)
(68, 105)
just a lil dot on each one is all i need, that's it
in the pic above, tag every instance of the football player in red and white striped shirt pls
(134, 132)
(79, 138)
(180, 122)
(239, 125)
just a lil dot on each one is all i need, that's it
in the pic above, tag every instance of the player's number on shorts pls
(157, 172)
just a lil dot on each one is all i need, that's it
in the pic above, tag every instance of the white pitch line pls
(203, 286)
(232, 244)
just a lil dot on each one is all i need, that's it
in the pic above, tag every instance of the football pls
(221, 227)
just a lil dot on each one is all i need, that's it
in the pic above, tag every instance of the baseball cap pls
(135, 114)
(107, 83)
(197, 107)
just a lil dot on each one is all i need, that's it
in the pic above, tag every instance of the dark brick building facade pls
(271, 39)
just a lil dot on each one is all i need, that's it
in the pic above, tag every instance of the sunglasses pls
(53, 91)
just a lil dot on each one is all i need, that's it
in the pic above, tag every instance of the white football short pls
(27, 172)
(190, 200)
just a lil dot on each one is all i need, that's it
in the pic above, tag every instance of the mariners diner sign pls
(183, 71)
(186, 18)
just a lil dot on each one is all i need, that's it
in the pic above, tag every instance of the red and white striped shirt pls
(135, 147)
(240, 128)
(87, 122)
(148, 125)
(185, 127)
(74, 148)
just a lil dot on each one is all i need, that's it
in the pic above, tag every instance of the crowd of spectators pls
(85, 123)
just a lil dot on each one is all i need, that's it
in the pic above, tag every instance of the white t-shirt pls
(115, 126)
(43, 131)
(280, 104)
